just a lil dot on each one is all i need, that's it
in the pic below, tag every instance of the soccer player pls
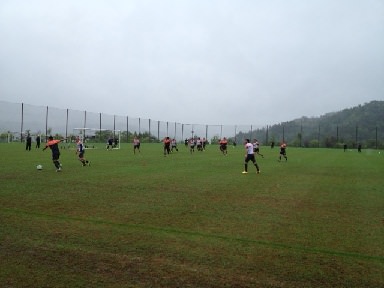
(110, 143)
(174, 145)
(38, 141)
(223, 146)
(53, 145)
(191, 145)
(256, 147)
(136, 145)
(80, 151)
(28, 143)
(199, 144)
(249, 156)
(167, 145)
(204, 143)
(283, 151)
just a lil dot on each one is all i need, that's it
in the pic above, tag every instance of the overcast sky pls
(193, 61)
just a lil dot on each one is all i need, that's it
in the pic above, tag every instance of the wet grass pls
(191, 220)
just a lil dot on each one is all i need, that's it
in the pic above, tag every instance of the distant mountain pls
(361, 124)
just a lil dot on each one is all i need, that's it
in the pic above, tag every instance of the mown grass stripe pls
(198, 234)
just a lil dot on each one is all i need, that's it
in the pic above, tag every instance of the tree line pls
(363, 124)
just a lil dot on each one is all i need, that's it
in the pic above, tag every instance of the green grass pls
(191, 220)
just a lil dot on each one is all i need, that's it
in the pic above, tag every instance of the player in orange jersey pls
(54, 146)
(167, 145)
(223, 146)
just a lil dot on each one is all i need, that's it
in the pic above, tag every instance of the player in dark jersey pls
(110, 143)
(283, 151)
(28, 143)
(54, 146)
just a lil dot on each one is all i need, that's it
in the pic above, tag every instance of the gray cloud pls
(214, 62)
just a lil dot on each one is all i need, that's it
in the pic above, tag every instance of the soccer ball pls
(39, 167)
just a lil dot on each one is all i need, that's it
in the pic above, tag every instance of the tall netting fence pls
(17, 120)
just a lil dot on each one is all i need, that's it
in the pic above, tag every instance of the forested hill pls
(367, 115)
(361, 124)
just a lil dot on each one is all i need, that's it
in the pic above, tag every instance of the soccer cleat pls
(244, 172)
(58, 170)
(258, 172)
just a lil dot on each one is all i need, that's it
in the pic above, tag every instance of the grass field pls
(191, 220)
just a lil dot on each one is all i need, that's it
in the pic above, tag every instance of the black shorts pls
(55, 156)
(250, 157)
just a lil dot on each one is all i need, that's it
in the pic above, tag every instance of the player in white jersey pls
(191, 145)
(199, 144)
(249, 156)
(256, 147)
(174, 145)
(80, 151)
(136, 144)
